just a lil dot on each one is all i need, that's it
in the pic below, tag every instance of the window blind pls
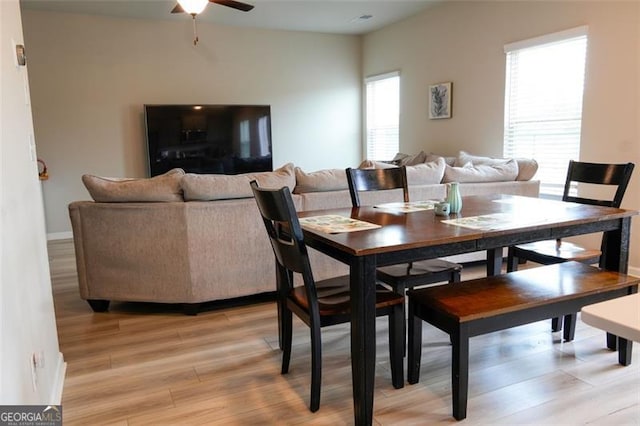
(543, 103)
(382, 116)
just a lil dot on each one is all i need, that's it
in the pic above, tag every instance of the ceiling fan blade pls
(177, 9)
(244, 7)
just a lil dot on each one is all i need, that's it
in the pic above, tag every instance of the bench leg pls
(569, 330)
(460, 372)
(612, 341)
(624, 351)
(414, 345)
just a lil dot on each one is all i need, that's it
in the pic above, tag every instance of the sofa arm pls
(131, 251)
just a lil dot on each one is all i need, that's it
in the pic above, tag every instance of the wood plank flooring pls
(148, 364)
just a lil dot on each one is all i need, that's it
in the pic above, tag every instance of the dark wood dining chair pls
(317, 303)
(557, 251)
(404, 276)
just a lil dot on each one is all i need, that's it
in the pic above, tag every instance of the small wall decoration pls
(440, 100)
(21, 57)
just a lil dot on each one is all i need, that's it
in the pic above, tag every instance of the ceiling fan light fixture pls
(193, 6)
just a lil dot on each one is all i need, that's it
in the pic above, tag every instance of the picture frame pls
(440, 100)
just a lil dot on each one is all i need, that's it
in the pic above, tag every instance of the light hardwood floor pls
(146, 364)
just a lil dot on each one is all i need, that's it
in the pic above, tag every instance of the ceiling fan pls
(193, 7)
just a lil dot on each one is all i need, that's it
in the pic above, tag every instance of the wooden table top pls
(401, 231)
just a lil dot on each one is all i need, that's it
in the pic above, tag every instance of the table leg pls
(615, 257)
(615, 247)
(569, 331)
(494, 262)
(460, 371)
(624, 351)
(363, 336)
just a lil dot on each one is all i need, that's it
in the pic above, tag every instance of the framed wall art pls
(440, 100)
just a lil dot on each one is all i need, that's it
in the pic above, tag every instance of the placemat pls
(334, 224)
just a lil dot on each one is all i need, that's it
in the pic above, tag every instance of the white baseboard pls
(58, 382)
(59, 236)
(635, 271)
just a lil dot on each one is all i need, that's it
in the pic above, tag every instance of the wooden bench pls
(620, 317)
(499, 302)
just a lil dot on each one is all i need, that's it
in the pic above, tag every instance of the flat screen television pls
(223, 139)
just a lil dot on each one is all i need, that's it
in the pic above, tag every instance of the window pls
(543, 103)
(383, 116)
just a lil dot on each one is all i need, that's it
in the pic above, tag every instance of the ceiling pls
(326, 16)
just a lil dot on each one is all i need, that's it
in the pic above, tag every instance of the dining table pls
(380, 235)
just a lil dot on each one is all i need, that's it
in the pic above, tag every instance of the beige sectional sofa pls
(188, 238)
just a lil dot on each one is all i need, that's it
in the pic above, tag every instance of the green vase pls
(453, 197)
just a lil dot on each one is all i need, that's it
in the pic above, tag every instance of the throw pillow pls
(420, 174)
(426, 173)
(322, 180)
(504, 172)
(464, 158)
(370, 164)
(527, 168)
(434, 157)
(162, 188)
(398, 157)
(206, 187)
(412, 160)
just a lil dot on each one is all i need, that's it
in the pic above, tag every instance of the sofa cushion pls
(322, 180)
(506, 171)
(419, 174)
(161, 188)
(206, 187)
(527, 167)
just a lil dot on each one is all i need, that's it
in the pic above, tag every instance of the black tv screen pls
(224, 139)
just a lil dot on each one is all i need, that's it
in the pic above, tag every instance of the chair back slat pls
(283, 227)
(361, 180)
(599, 174)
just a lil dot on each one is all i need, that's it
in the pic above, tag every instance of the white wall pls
(463, 42)
(27, 320)
(90, 77)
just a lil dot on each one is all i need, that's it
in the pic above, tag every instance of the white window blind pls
(382, 116)
(543, 103)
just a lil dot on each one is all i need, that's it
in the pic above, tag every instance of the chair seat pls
(333, 296)
(565, 251)
(420, 268)
(420, 273)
